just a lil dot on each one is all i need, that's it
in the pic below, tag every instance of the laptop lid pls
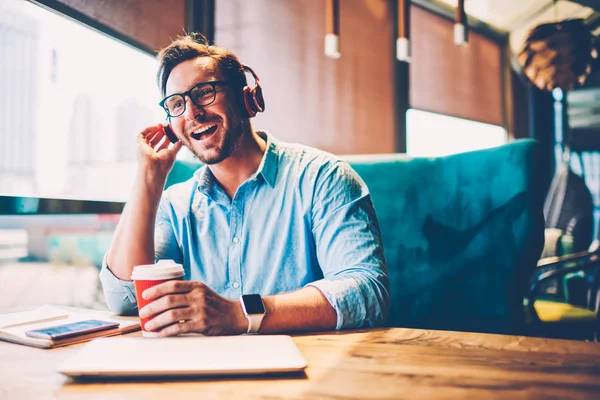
(185, 356)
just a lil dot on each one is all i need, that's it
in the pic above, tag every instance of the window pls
(431, 135)
(72, 101)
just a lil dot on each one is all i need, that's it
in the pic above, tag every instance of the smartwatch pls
(254, 309)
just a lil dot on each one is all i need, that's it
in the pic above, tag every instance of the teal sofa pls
(462, 234)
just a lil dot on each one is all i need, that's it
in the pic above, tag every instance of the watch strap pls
(254, 322)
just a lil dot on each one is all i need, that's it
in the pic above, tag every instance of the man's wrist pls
(241, 322)
(254, 310)
(151, 183)
(152, 175)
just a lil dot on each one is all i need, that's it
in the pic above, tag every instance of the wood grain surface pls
(381, 363)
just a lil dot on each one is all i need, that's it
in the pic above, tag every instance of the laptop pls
(185, 356)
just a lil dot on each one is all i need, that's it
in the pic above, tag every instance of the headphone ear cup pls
(258, 98)
(170, 134)
(249, 102)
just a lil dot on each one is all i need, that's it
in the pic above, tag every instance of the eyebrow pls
(194, 85)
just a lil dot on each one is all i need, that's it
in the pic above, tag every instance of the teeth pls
(201, 131)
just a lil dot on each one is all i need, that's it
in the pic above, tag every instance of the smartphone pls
(73, 329)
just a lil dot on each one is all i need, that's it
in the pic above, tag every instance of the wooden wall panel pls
(461, 81)
(150, 22)
(344, 106)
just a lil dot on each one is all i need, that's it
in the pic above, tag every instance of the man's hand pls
(185, 307)
(159, 159)
(133, 241)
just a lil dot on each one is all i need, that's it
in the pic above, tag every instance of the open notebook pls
(14, 325)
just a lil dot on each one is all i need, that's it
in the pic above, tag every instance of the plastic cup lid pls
(163, 269)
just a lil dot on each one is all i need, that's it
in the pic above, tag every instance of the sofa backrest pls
(461, 234)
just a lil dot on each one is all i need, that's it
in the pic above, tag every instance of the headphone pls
(253, 97)
(254, 102)
(170, 134)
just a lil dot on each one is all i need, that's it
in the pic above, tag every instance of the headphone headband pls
(247, 68)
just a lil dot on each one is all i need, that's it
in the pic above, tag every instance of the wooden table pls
(380, 363)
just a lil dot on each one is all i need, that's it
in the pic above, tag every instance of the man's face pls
(211, 132)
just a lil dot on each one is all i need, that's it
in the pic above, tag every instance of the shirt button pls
(236, 285)
(236, 240)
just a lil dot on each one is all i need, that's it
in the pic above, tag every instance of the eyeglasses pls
(203, 94)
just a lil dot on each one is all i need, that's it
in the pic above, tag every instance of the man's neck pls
(241, 164)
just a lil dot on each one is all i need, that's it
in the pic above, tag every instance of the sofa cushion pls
(461, 235)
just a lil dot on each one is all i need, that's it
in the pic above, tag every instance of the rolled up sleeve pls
(349, 249)
(120, 294)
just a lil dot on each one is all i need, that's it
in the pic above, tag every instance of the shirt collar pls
(268, 165)
(267, 168)
(207, 185)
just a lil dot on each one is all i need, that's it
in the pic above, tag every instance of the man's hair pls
(194, 45)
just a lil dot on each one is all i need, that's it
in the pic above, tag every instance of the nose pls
(192, 111)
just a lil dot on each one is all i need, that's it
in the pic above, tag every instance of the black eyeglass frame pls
(188, 94)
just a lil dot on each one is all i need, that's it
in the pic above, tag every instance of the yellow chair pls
(550, 312)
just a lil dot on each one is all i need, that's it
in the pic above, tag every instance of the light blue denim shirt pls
(304, 218)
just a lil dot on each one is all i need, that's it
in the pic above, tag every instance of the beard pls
(217, 151)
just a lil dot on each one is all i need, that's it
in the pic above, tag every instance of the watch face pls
(253, 304)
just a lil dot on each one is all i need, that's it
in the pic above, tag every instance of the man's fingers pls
(168, 317)
(169, 287)
(151, 136)
(176, 147)
(145, 136)
(177, 329)
(163, 304)
(156, 138)
(163, 145)
(150, 130)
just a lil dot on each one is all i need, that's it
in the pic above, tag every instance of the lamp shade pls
(558, 55)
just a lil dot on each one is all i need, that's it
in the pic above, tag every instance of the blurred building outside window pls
(434, 135)
(72, 101)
